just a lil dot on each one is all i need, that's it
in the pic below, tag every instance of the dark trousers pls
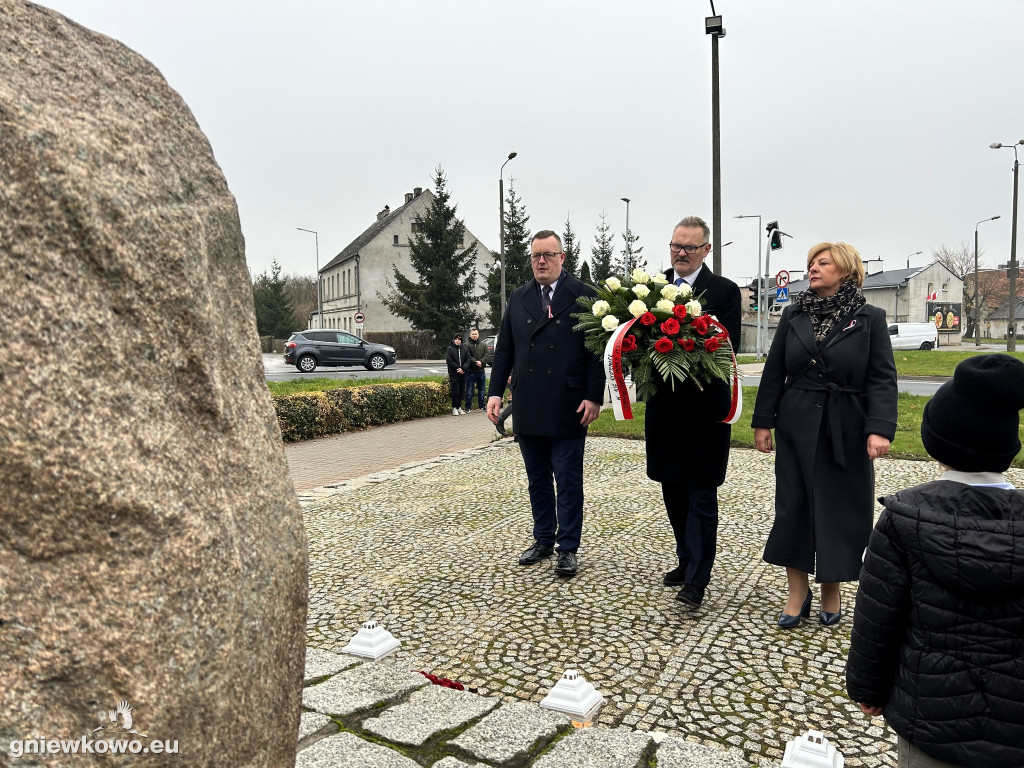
(458, 385)
(693, 514)
(479, 380)
(551, 462)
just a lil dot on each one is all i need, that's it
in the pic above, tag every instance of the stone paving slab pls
(320, 663)
(361, 688)
(346, 750)
(597, 748)
(510, 731)
(451, 762)
(673, 753)
(428, 711)
(311, 722)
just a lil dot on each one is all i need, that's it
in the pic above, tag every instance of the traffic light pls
(776, 240)
(754, 293)
(753, 302)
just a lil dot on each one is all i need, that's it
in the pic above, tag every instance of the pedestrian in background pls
(558, 387)
(458, 360)
(938, 632)
(829, 391)
(476, 374)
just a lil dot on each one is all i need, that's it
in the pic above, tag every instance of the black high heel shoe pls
(830, 619)
(788, 622)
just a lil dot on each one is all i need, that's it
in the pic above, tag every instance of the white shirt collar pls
(689, 279)
(996, 479)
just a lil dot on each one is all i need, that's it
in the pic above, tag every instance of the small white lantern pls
(372, 642)
(812, 751)
(574, 696)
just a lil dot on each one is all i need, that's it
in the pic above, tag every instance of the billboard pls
(945, 315)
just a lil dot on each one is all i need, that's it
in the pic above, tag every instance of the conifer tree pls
(630, 257)
(601, 252)
(275, 315)
(439, 296)
(517, 255)
(585, 272)
(572, 250)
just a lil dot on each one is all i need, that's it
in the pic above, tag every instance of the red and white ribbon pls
(736, 407)
(613, 373)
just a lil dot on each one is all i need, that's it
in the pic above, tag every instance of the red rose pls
(663, 345)
(711, 344)
(679, 311)
(670, 327)
(700, 324)
(629, 343)
(648, 319)
(687, 344)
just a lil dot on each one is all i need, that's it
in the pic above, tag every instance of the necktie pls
(545, 294)
(679, 281)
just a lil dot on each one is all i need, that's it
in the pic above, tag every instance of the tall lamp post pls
(1011, 325)
(977, 307)
(915, 253)
(713, 26)
(319, 282)
(760, 277)
(629, 242)
(501, 223)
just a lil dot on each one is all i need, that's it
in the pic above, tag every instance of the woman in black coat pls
(458, 362)
(829, 391)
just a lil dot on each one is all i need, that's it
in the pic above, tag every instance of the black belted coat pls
(823, 401)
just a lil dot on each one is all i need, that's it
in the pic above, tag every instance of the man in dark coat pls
(558, 387)
(687, 443)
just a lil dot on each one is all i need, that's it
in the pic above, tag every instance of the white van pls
(913, 335)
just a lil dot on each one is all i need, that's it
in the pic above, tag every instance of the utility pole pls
(713, 26)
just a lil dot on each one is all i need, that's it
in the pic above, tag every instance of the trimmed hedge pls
(305, 415)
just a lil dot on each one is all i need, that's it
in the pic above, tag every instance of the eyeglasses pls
(545, 256)
(691, 249)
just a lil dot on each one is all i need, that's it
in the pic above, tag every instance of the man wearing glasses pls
(558, 387)
(691, 416)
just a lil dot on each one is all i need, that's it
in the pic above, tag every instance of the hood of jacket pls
(969, 537)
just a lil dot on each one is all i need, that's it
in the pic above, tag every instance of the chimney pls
(384, 213)
(408, 197)
(417, 191)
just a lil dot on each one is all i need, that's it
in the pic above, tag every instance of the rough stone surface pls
(452, 762)
(509, 731)
(321, 663)
(596, 748)
(361, 688)
(151, 544)
(311, 722)
(347, 750)
(673, 753)
(429, 710)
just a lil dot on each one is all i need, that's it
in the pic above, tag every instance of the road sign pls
(781, 295)
(782, 279)
(358, 317)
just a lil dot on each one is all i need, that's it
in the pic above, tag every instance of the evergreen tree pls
(601, 252)
(439, 296)
(275, 315)
(630, 257)
(585, 272)
(572, 250)
(517, 255)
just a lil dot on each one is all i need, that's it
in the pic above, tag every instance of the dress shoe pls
(536, 553)
(676, 577)
(691, 595)
(788, 622)
(830, 619)
(567, 564)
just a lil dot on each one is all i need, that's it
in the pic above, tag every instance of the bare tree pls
(958, 259)
(301, 291)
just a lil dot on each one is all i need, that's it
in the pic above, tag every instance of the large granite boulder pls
(151, 545)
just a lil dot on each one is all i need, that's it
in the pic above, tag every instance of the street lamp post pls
(1011, 325)
(629, 243)
(915, 253)
(760, 277)
(713, 26)
(319, 290)
(501, 222)
(977, 307)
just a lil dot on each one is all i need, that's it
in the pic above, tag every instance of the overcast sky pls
(865, 121)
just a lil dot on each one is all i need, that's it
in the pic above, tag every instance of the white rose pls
(665, 305)
(685, 290)
(637, 308)
(610, 322)
(669, 292)
(659, 279)
(613, 283)
(601, 308)
(640, 276)
(693, 308)
(641, 291)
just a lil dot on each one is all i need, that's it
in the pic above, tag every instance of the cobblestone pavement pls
(429, 550)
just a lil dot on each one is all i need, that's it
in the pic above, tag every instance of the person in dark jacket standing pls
(938, 632)
(558, 387)
(476, 373)
(690, 486)
(829, 390)
(458, 360)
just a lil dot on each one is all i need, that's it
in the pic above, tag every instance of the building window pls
(396, 243)
(416, 229)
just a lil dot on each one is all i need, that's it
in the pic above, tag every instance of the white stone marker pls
(574, 696)
(812, 751)
(372, 642)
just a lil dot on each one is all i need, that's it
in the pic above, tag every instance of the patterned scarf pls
(825, 313)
